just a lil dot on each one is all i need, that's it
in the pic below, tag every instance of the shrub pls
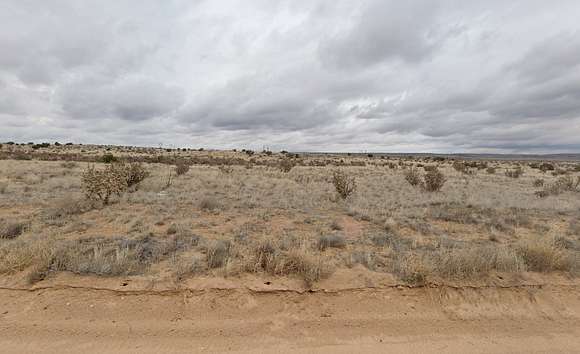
(412, 176)
(335, 225)
(433, 180)
(109, 158)
(286, 165)
(218, 253)
(490, 170)
(538, 182)
(462, 167)
(68, 165)
(182, 168)
(544, 256)
(100, 185)
(410, 268)
(135, 173)
(328, 241)
(559, 172)
(514, 173)
(546, 167)
(226, 169)
(11, 230)
(344, 185)
(561, 185)
(209, 204)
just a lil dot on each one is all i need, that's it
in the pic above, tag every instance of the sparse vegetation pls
(261, 221)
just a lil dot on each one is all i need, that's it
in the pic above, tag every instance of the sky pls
(300, 75)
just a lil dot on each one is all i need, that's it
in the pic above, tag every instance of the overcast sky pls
(302, 75)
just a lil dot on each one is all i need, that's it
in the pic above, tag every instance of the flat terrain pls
(517, 320)
(212, 251)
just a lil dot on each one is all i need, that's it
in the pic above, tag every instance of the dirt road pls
(75, 320)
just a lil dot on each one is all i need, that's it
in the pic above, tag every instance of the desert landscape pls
(289, 176)
(254, 248)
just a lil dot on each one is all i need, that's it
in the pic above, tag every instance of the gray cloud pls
(386, 30)
(448, 76)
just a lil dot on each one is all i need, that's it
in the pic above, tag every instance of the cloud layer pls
(374, 75)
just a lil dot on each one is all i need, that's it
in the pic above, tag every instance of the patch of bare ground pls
(479, 320)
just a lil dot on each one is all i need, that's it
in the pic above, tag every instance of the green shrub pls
(109, 158)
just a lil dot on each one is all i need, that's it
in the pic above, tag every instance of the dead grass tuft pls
(463, 263)
(330, 241)
(210, 204)
(11, 229)
(545, 256)
(218, 253)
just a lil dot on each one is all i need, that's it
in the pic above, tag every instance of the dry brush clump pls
(331, 241)
(278, 259)
(412, 176)
(11, 229)
(432, 181)
(182, 167)
(561, 185)
(463, 263)
(462, 167)
(514, 173)
(345, 185)
(287, 164)
(546, 255)
(90, 255)
(114, 179)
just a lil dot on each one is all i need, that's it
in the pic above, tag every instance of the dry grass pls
(11, 229)
(546, 256)
(464, 263)
(265, 220)
(331, 241)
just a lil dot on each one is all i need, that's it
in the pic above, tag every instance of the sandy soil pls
(524, 319)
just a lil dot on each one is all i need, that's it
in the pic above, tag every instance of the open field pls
(275, 233)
